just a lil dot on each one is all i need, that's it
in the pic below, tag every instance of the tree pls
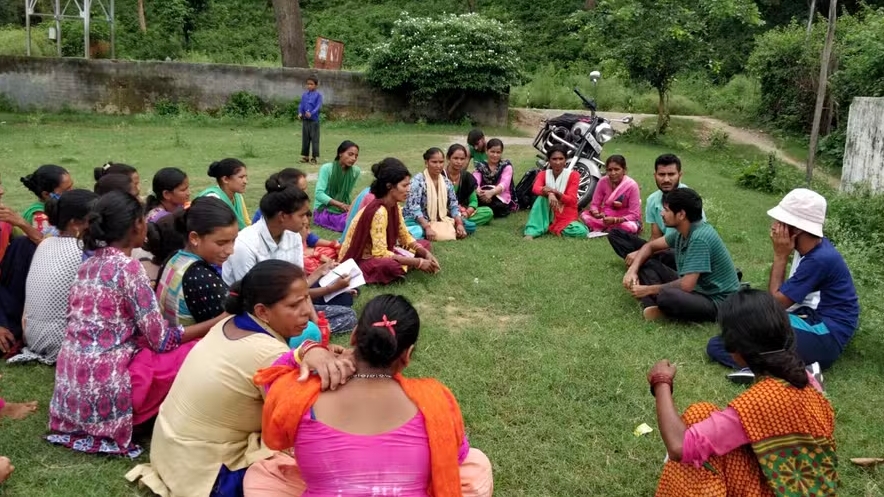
(142, 21)
(290, 29)
(655, 40)
(821, 90)
(437, 62)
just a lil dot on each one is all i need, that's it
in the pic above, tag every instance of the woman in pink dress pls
(616, 203)
(119, 356)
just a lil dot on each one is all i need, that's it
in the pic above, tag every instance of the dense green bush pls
(771, 176)
(691, 95)
(72, 36)
(855, 223)
(243, 104)
(13, 41)
(435, 62)
(786, 65)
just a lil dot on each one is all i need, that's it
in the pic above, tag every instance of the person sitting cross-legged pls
(819, 294)
(616, 203)
(704, 275)
(667, 176)
(774, 439)
(555, 209)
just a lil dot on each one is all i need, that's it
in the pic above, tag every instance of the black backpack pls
(524, 196)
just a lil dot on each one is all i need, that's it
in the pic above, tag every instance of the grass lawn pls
(545, 351)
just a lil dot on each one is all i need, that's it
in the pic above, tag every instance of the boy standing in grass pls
(308, 112)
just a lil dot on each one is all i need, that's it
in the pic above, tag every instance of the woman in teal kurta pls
(334, 186)
(232, 179)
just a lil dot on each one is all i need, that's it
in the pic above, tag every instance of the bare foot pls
(19, 410)
(6, 468)
(529, 237)
(653, 313)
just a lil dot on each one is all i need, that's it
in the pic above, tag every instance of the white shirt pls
(254, 244)
(812, 299)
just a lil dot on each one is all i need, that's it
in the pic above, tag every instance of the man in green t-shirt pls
(476, 142)
(705, 274)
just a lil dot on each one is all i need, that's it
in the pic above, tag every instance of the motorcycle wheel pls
(586, 187)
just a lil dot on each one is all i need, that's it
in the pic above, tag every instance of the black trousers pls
(660, 269)
(497, 206)
(309, 136)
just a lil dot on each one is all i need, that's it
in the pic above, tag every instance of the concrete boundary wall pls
(125, 87)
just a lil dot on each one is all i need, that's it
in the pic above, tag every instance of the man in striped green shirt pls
(705, 274)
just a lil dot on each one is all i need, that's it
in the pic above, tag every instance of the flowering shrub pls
(437, 61)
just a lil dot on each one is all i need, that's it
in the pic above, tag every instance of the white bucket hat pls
(802, 208)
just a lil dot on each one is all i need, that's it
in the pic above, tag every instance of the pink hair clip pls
(386, 323)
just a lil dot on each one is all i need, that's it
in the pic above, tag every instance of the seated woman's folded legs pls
(415, 229)
(152, 375)
(469, 226)
(341, 319)
(334, 221)
(575, 229)
(482, 216)
(381, 270)
(498, 208)
(538, 218)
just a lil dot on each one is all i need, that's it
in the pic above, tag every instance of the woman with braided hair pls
(380, 430)
(775, 439)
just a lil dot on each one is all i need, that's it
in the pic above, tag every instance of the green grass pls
(545, 351)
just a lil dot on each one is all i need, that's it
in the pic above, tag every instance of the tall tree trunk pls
(821, 89)
(142, 22)
(290, 30)
(471, 6)
(589, 5)
(662, 112)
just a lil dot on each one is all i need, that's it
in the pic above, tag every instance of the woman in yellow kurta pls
(373, 236)
(209, 427)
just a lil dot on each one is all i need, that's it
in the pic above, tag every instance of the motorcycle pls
(583, 137)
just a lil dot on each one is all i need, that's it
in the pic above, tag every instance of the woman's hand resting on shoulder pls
(333, 366)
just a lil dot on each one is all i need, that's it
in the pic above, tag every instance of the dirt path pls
(530, 119)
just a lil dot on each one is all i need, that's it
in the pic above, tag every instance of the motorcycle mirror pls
(595, 76)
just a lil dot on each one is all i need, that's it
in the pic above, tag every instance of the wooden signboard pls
(329, 54)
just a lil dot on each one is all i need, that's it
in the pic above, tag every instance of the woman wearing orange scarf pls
(775, 439)
(380, 433)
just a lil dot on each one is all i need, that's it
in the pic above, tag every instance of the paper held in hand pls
(347, 267)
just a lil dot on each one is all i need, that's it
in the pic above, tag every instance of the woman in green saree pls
(232, 179)
(334, 186)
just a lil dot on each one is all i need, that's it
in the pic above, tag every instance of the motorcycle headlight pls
(603, 133)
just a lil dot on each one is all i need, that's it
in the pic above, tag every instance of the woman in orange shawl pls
(380, 430)
(775, 439)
